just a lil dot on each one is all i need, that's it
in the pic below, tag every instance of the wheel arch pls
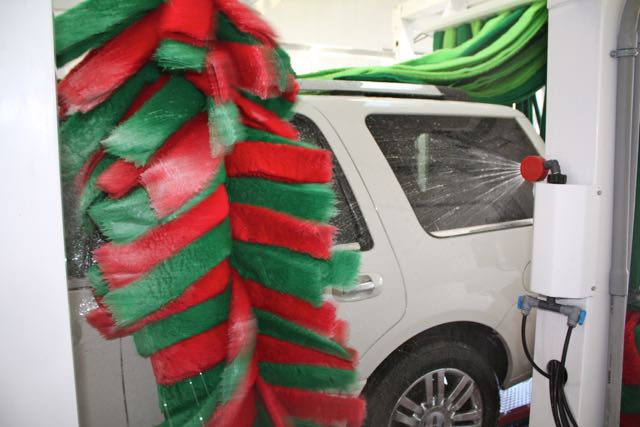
(482, 338)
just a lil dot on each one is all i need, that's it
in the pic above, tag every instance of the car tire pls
(411, 368)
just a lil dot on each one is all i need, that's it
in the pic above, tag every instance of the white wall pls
(356, 24)
(36, 366)
(320, 34)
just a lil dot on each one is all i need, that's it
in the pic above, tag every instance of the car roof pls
(381, 89)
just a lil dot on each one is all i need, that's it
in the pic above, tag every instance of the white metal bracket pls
(624, 52)
(413, 18)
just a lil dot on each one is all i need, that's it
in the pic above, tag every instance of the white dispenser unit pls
(565, 223)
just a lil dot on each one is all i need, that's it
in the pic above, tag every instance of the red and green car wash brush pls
(216, 247)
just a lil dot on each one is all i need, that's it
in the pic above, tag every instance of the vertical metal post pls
(36, 363)
(626, 152)
(580, 134)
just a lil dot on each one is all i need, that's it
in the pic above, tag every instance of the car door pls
(377, 302)
(461, 255)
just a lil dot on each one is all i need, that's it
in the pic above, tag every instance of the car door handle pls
(369, 286)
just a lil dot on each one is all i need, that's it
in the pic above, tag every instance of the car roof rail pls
(381, 89)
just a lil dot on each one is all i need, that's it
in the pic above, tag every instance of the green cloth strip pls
(344, 268)
(138, 138)
(168, 280)
(224, 124)
(449, 40)
(476, 27)
(92, 22)
(292, 272)
(284, 64)
(80, 134)
(463, 33)
(297, 422)
(186, 324)
(496, 46)
(457, 58)
(278, 105)
(230, 379)
(124, 220)
(227, 31)
(531, 60)
(630, 399)
(174, 55)
(77, 50)
(314, 202)
(438, 40)
(94, 275)
(177, 397)
(309, 377)
(466, 67)
(635, 253)
(262, 417)
(277, 327)
(91, 193)
(493, 30)
(252, 134)
(281, 269)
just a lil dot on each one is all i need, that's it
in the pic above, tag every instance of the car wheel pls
(439, 384)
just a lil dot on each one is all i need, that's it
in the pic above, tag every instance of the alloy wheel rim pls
(444, 397)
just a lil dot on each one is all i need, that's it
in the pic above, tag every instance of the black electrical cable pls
(526, 349)
(557, 376)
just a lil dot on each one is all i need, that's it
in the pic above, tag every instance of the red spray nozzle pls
(533, 168)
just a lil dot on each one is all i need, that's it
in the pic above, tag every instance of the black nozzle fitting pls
(555, 175)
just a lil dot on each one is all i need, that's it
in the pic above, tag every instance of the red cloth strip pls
(319, 319)
(242, 329)
(246, 414)
(190, 18)
(340, 332)
(259, 117)
(183, 170)
(293, 87)
(247, 20)
(108, 67)
(191, 356)
(145, 94)
(220, 80)
(87, 169)
(227, 414)
(631, 366)
(120, 178)
(122, 264)
(280, 162)
(208, 286)
(256, 224)
(256, 68)
(274, 350)
(321, 407)
(277, 413)
(201, 81)
(630, 420)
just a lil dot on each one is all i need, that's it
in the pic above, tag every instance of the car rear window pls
(458, 172)
(349, 221)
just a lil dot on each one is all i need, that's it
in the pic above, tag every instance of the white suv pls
(429, 191)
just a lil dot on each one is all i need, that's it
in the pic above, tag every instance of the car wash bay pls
(413, 118)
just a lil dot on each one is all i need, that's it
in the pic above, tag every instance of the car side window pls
(349, 221)
(458, 172)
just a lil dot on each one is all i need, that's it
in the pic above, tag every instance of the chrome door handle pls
(369, 286)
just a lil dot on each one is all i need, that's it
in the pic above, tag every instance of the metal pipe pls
(625, 169)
